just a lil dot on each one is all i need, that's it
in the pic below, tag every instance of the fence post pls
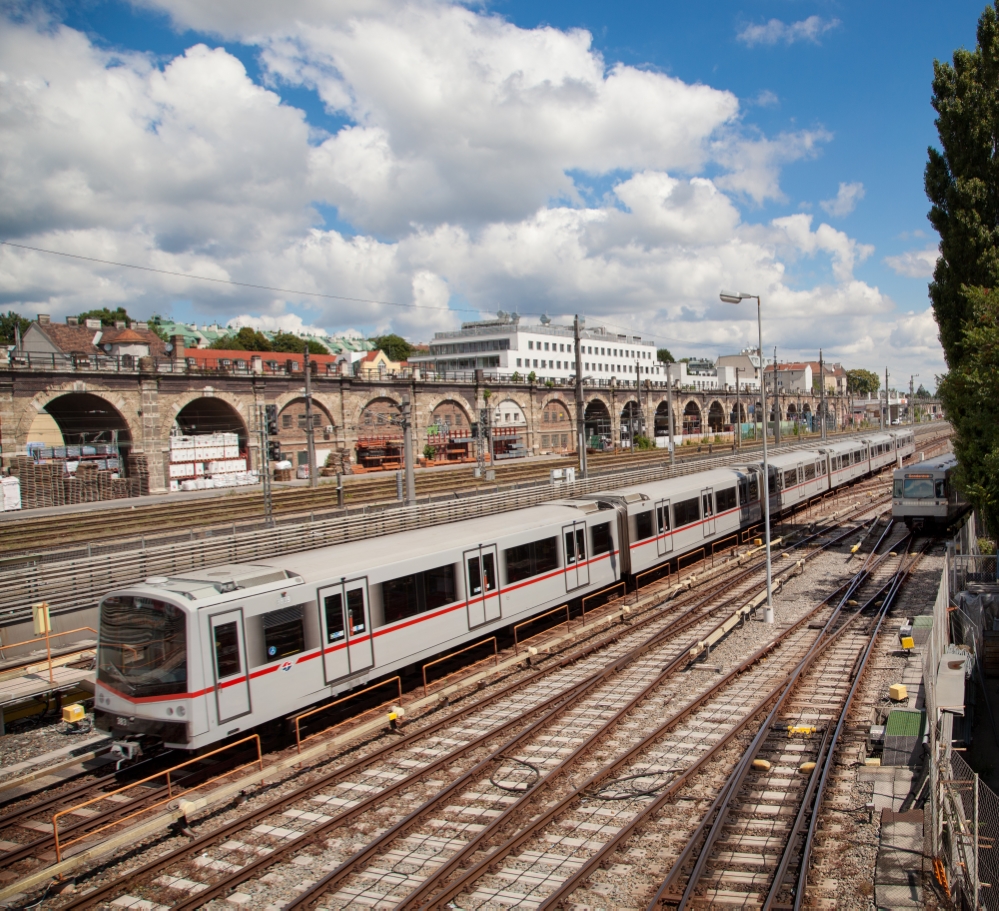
(977, 878)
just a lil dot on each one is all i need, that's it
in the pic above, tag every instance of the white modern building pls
(695, 375)
(505, 346)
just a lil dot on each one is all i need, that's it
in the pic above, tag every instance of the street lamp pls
(768, 613)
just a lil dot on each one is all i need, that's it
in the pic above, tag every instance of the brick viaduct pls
(143, 404)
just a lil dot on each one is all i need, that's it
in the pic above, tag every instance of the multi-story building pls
(504, 346)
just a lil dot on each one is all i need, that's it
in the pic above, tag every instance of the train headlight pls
(181, 711)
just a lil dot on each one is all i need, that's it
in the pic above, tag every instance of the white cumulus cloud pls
(845, 201)
(777, 32)
(914, 263)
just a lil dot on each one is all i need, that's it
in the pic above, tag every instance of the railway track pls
(599, 689)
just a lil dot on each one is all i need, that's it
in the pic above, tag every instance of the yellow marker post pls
(43, 626)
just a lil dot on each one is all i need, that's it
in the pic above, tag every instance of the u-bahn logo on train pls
(286, 666)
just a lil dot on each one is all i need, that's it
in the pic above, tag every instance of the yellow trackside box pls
(73, 713)
(908, 642)
(898, 691)
(40, 614)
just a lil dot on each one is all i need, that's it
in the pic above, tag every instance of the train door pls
(232, 683)
(664, 539)
(346, 629)
(708, 511)
(802, 492)
(482, 596)
(577, 569)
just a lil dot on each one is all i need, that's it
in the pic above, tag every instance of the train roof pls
(939, 463)
(668, 487)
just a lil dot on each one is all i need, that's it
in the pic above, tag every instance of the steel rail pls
(414, 899)
(713, 821)
(813, 822)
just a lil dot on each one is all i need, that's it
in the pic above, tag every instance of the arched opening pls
(556, 428)
(379, 436)
(632, 423)
(292, 432)
(806, 415)
(691, 419)
(211, 415)
(792, 412)
(449, 434)
(662, 420)
(86, 419)
(597, 424)
(716, 417)
(738, 414)
(509, 430)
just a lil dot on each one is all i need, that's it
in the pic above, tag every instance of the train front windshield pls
(914, 488)
(143, 647)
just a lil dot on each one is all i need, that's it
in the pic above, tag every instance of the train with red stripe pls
(198, 657)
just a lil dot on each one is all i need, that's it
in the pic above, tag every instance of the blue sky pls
(625, 161)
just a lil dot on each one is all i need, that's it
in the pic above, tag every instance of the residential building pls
(90, 339)
(505, 346)
(747, 362)
(790, 377)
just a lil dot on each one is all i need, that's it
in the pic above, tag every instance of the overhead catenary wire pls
(325, 295)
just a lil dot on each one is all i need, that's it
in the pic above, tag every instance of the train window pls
(941, 489)
(897, 492)
(772, 486)
(284, 632)
(917, 488)
(580, 548)
(686, 512)
(475, 575)
(143, 646)
(820, 469)
(754, 489)
(355, 610)
(333, 605)
(725, 499)
(227, 660)
(809, 472)
(706, 503)
(417, 593)
(643, 526)
(662, 516)
(531, 559)
(603, 541)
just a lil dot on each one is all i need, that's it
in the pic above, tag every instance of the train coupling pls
(125, 751)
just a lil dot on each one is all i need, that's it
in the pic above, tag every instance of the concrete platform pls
(30, 686)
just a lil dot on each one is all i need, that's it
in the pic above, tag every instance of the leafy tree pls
(107, 317)
(962, 181)
(515, 377)
(396, 348)
(7, 325)
(968, 395)
(156, 325)
(246, 339)
(532, 377)
(863, 382)
(294, 344)
(664, 356)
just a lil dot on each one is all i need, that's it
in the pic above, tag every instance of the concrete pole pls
(768, 613)
(670, 426)
(580, 410)
(738, 411)
(822, 395)
(310, 431)
(407, 448)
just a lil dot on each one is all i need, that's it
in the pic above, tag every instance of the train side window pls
(754, 489)
(898, 488)
(531, 559)
(603, 541)
(417, 593)
(335, 628)
(662, 519)
(809, 472)
(686, 512)
(725, 499)
(643, 526)
(941, 489)
(706, 503)
(772, 486)
(487, 574)
(227, 660)
(284, 632)
(570, 550)
(355, 610)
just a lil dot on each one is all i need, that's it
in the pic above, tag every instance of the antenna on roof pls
(545, 319)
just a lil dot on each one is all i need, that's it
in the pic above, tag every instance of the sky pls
(406, 166)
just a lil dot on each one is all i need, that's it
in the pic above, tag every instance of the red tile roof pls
(80, 339)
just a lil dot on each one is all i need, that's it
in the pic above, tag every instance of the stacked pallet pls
(138, 473)
(23, 468)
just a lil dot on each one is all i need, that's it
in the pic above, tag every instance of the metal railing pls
(326, 706)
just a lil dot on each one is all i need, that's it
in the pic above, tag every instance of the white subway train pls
(202, 656)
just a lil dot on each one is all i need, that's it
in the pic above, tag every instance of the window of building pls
(518, 362)
(544, 364)
(643, 525)
(286, 421)
(546, 346)
(535, 362)
(603, 542)
(686, 512)
(415, 594)
(530, 346)
(284, 632)
(531, 559)
(725, 499)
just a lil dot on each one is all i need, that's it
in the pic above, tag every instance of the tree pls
(156, 325)
(107, 317)
(294, 344)
(246, 339)
(863, 382)
(968, 395)
(396, 348)
(664, 357)
(921, 392)
(8, 324)
(962, 181)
